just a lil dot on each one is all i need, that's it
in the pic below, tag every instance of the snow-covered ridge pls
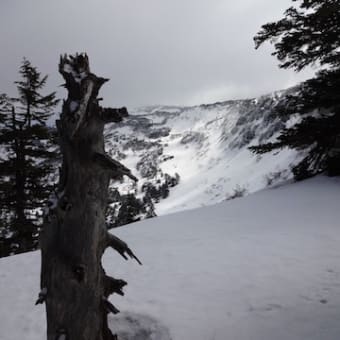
(203, 148)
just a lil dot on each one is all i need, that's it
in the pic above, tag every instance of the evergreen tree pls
(27, 163)
(309, 34)
(128, 208)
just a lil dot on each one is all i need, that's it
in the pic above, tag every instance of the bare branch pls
(116, 168)
(110, 308)
(112, 285)
(42, 296)
(121, 247)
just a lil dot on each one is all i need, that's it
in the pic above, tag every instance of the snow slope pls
(206, 145)
(261, 267)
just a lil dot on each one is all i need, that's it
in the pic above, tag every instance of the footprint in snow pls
(268, 308)
(133, 326)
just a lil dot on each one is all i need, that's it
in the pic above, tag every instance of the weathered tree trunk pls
(73, 282)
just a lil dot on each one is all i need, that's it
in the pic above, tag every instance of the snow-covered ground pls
(261, 267)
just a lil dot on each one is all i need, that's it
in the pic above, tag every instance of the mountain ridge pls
(189, 156)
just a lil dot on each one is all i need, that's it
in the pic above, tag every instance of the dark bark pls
(73, 282)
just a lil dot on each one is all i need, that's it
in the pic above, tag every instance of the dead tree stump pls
(74, 285)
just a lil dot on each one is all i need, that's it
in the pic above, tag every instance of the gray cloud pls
(154, 51)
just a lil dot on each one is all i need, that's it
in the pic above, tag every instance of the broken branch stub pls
(121, 247)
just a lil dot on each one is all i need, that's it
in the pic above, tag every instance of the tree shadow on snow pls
(133, 326)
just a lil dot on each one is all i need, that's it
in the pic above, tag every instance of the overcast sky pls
(181, 52)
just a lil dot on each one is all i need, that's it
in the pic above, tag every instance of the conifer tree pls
(27, 162)
(309, 34)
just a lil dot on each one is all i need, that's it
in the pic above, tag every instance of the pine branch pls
(264, 148)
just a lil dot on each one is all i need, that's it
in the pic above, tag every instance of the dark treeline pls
(27, 162)
(29, 166)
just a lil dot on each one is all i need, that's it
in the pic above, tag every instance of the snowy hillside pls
(196, 156)
(262, 267)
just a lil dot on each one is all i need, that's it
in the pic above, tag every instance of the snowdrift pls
(261, 267)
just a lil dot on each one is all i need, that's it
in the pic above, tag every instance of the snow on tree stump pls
(74, 285)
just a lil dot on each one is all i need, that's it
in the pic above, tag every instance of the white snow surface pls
(261, 267)
(207, 146)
